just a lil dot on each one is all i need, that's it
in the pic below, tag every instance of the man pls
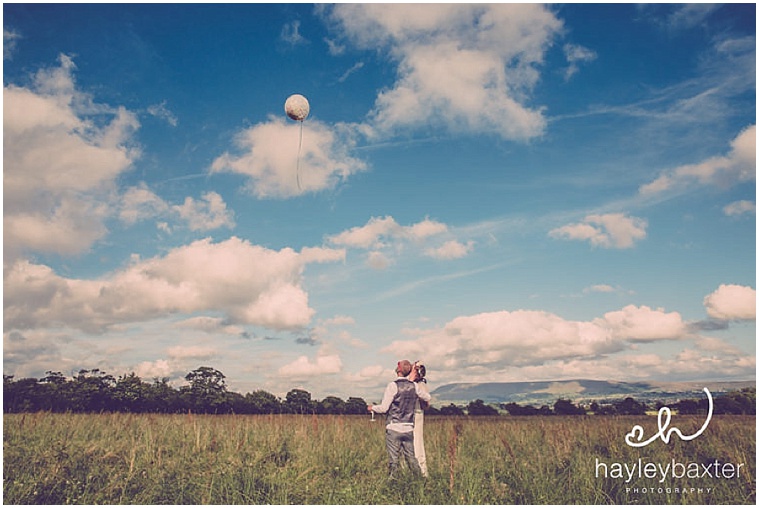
(398, 402)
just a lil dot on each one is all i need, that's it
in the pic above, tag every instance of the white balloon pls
(296, 107)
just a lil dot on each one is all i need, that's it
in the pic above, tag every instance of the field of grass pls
(291, 459)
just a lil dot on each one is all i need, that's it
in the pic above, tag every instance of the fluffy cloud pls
(688, 16)
(737, 208)
(210, 212)
(600, 288)
(303, 368)
(643, 324)
(269, 157)
(247, 283)
(379, 230)
(210, 324)
(384, 234)
(162, 112)
(575, 55)
(59, 164)
(497, 340)
(369, 235)
(738, 166)
(191, 352)
(468, 67)
(451, 249)
(731, 302)
(614, 230)
(140, 203)
(10, 40)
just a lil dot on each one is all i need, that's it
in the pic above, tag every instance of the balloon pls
(296, 107)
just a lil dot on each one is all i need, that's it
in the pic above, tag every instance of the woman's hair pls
(421, 370)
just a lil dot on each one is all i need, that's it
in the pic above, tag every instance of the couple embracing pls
(404, 402)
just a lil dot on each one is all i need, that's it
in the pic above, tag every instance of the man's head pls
(403, 368)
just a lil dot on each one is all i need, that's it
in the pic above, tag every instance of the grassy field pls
(289, 459)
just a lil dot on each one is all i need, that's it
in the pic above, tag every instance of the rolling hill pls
(578, 390)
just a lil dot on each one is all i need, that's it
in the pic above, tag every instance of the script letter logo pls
(665, 415)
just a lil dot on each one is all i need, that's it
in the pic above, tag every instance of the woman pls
(417, 376)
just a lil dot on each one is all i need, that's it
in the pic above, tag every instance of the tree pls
(299, 401)
(451, 410)
(263, 402)
(742, 402)
(565, 407)
(516, 410)
(331, 406)
(162, 398)
(54, 392)
(130, 394)
(606, 409)
(479, 408)
(355, 406)
(20, 396)
(207, 390)
(630, 406)
(687, 407)
(91, 390)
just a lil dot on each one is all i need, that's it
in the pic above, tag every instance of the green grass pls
(289, 459)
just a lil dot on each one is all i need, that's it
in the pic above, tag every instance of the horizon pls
(506, 192)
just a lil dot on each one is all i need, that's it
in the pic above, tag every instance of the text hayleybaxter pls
(667, 470)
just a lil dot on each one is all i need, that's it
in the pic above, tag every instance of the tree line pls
(207, 392)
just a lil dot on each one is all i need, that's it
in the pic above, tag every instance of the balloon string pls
(297, 164)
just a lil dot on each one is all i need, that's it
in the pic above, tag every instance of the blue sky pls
(506, 192)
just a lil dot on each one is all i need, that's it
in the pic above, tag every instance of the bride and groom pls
(404, 402)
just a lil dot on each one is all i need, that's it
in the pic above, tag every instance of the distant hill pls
(578, 390)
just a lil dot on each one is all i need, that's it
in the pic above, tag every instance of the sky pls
(505, 192)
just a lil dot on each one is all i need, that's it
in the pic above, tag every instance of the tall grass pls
(290, 459)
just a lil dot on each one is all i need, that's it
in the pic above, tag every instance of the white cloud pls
(369, 235)
(378, 231)
(10, 40)
(270, 157)
(291, 34)
(208, 213)
(191, 352)
(140, 203)
(424, 229)
(60, 166)
(377, 260)
(467, 67)
(731, 302)
(451, 249)
(162, 112)
(210, 324)
(614, 230)
(156, 369)
(600, 288)
(689, 16)
(738, 166)
(383, 234)
(576, 55)
(303, 368)
(357, 66)
(503, 339)
(339, 321)
(643, 324)
(739, 208)
(247, 283)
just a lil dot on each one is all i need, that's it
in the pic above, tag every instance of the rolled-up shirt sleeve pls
(387, 398)
(422, 392)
